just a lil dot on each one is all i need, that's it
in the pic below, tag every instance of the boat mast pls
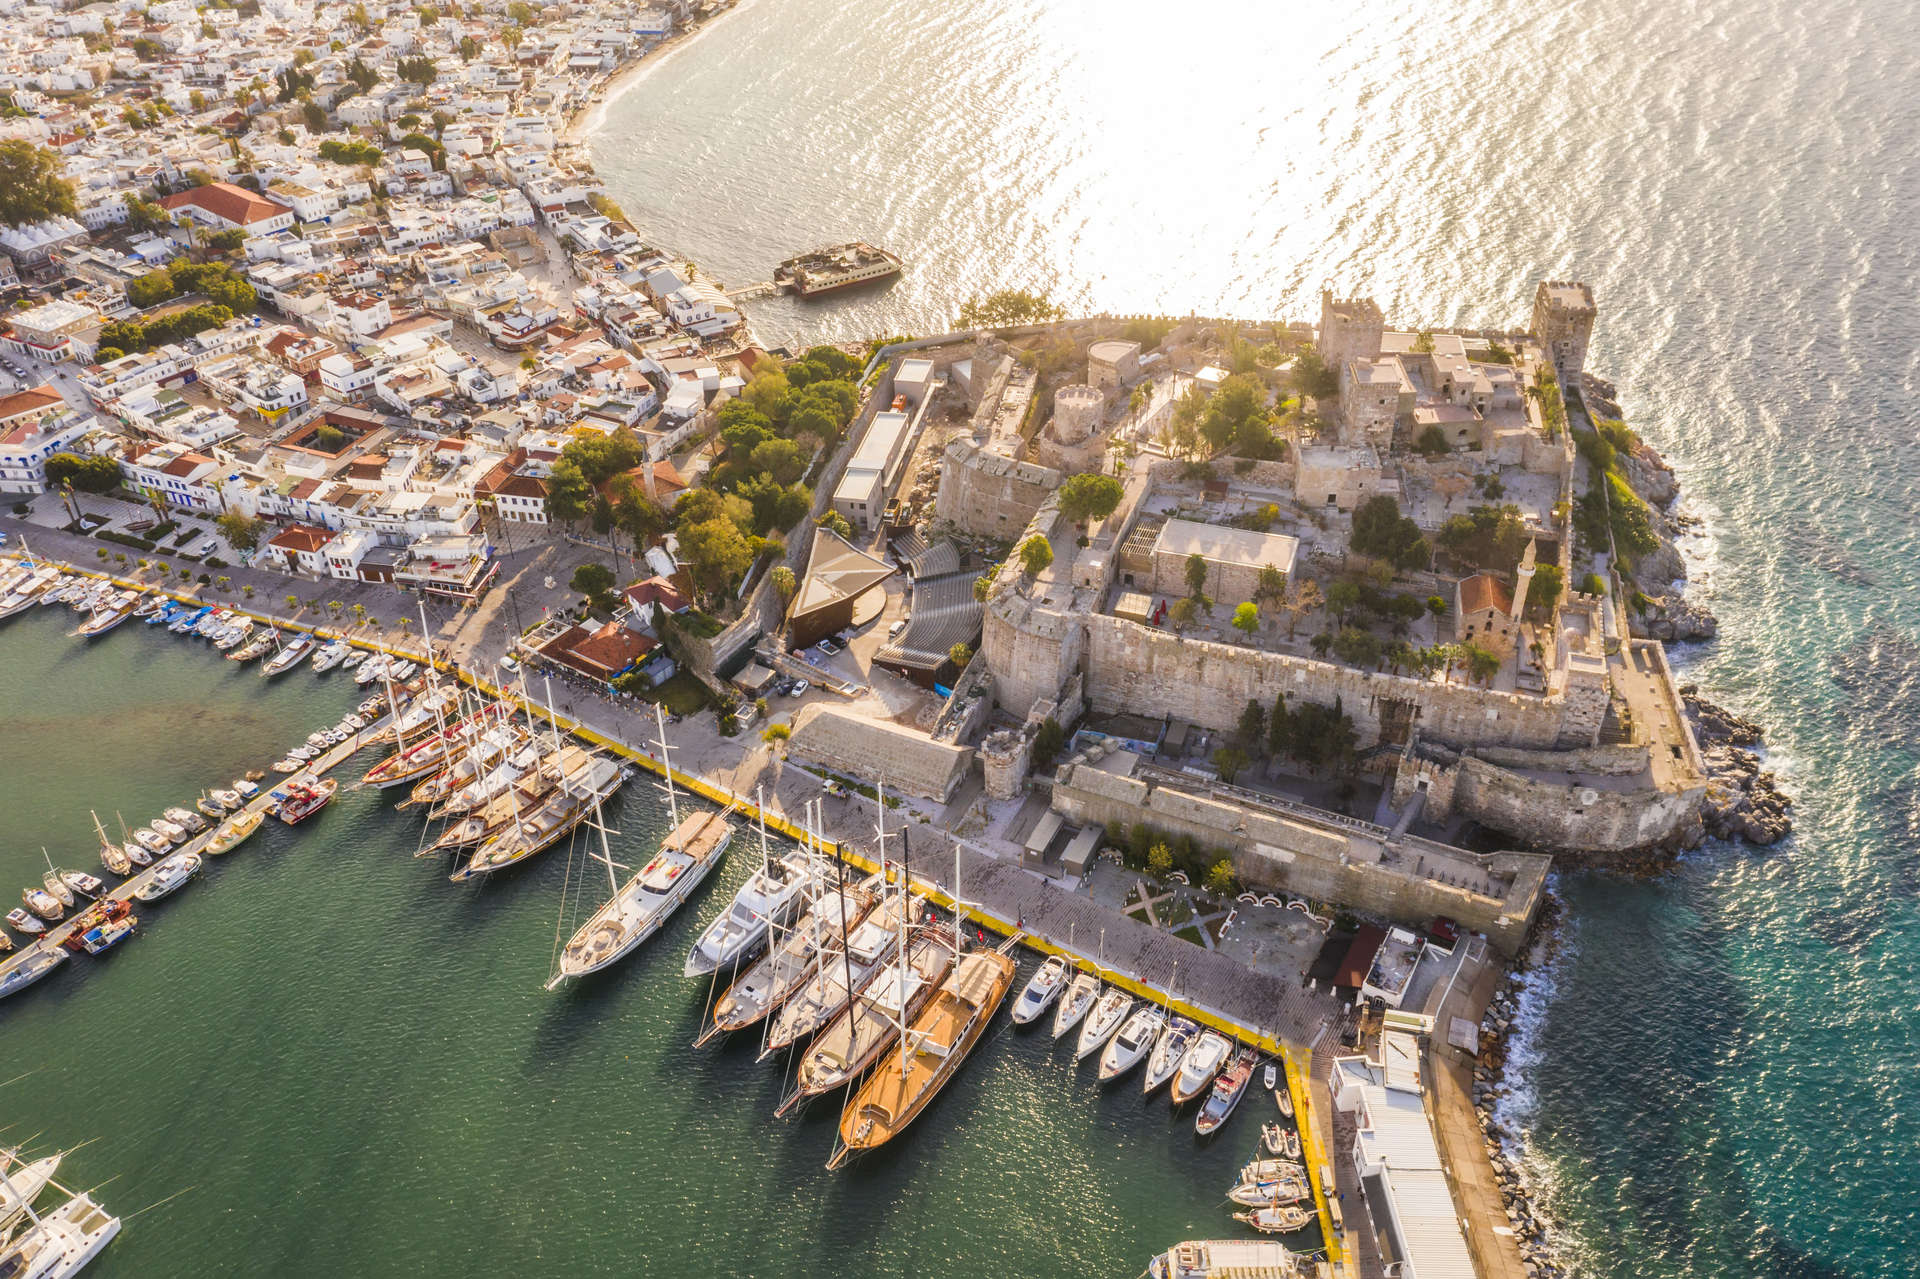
(666, 765)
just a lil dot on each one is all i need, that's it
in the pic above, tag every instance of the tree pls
(1437, 606)
(242, 532)
(1085, 498)
(776, 733)
(960, 654)
(360, 613)
(1251, 732)
(715, 554)
(469, 48)
(1431, 442)
(837, 522)
(784, 584)
(1007, 308)
(1311, 376)
(1035, 555)
(293, 603)
(1196, 574)
(1159, 861)
(1220, 878)
(1185, 612)
(1379, 530)
(595, 581)
(1545, 591)
(418, 70)
(569, 495)
(1229, 760)
(983, 588)
(88, 474)
(1048, 740)
(1271, 587)
(31, 187)
(1482, 663)
(1303, 596)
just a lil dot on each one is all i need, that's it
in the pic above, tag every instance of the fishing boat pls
(100, 928)
(54, 884)
(771, 897)
(259, 646)
(639, 908)
(1102, 1022)
(169, 876)
(538, 830)
(59, 1243)
(25, 921)
(23, 1183)
(289, 656)
(232, 832)
(929, 1054)
(208, 808)
(1074, 1004)
(1227, 1091)
(172, 832)
(81, 882)
(29, 966)
(228, 800)
(44, 904)
(303, 798)
(1168, 1053)
(1276, 1219)
(1219, 1258)
(1040, 991)
(1202, 1062)
(1135, 1040)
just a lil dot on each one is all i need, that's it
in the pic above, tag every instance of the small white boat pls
(1102, 1022)
(185, 818)
(354, 658)
(1272, 1076)
(1283, 1097)
(404, 670)
(1074, 1004)
(152, 841)
(1041, 990)
(288, 765)
(170, 876)
(356, 722)
(167, 830)
(328, 656)
(44, 904)
(318, 740)
(1131, 1046)
(1270, 1194)
(246, 789)
(227, 799)
(81, 882)
(375, 667)
(1273, 1139)
(303, 752)
(136, 854)
(26, 922)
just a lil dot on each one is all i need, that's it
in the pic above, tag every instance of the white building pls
(34, 425)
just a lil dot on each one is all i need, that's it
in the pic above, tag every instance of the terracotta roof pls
(301, 537)
(35, 399)
(1484, 591)
(504, 480)
(225, 200)
(604, 652)
(658, 590)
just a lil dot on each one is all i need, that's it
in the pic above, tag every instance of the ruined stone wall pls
(1276, 854)
(1145, 671)
(989, 494)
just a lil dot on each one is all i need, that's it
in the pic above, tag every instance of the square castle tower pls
(1563, 314)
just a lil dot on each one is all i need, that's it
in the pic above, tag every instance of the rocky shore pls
(1744, 801)
(1491, 1086)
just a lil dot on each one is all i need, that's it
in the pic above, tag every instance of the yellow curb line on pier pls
(1310, 1148)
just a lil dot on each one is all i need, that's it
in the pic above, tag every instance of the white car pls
(896, 628)
(207, 547)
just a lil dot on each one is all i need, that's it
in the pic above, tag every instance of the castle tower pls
(1350, 329)
(1563, 313)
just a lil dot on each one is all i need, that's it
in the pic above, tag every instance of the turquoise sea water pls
(1725, 1081)
(350, 1066)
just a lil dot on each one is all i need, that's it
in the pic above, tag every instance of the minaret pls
(1523, 579)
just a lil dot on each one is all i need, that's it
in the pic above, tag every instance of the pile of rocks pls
(1670, 618)
(1530, 1226)
(1743, 801)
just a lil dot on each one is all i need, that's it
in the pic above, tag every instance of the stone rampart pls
(1146, 671)
(1567, 815)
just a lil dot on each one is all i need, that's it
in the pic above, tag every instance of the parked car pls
(207, 547)
(830, 648)
(799, 687)
(897, 627)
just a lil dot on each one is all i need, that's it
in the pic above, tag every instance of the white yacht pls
(23, 1184)
(330, 655)
(1170, 1051)
(844, 970)
(774, 894)
(1133, 1043)
(1041, 990)
(289, 655)
(30, 965)
(1074, 1004)
(170, 876)
(1102, 1022)
(1202, 1062)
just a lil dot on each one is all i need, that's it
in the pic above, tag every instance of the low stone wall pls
(1568, 816)
(1600, 761)
(879, 752)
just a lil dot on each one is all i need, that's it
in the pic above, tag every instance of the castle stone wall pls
(1569, 815)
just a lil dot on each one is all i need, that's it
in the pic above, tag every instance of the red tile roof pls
(225, 200)
(35, 400)
(296, 538)
(1484, 591)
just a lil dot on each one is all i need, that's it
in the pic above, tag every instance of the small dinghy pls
(1276, 1219)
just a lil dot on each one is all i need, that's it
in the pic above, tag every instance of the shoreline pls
(586, 119)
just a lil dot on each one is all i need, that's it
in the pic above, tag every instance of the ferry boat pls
(1228, 1259)
(928, 1055)
(303, 799)
(841, 267)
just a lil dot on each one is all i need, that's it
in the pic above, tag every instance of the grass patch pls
(700, 624)
(683, 695)
(124, 539)
(1190, 933)
(1175, 913)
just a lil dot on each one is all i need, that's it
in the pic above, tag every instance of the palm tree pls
(404, 623)
(247, 590)
(293, 603)
(334, 607)
(102, 553)
(360, 613)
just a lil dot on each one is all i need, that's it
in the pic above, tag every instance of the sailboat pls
(641, 907)
(1080, 995)
(112, 855)
(871, 1024)
(24, 1183)
(57, 1243)
(931, 1050)
(791, 959)
(772, 896)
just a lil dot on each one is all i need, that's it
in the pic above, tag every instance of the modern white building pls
(862, 493)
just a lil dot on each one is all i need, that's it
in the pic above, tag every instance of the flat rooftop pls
(1225, 545)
